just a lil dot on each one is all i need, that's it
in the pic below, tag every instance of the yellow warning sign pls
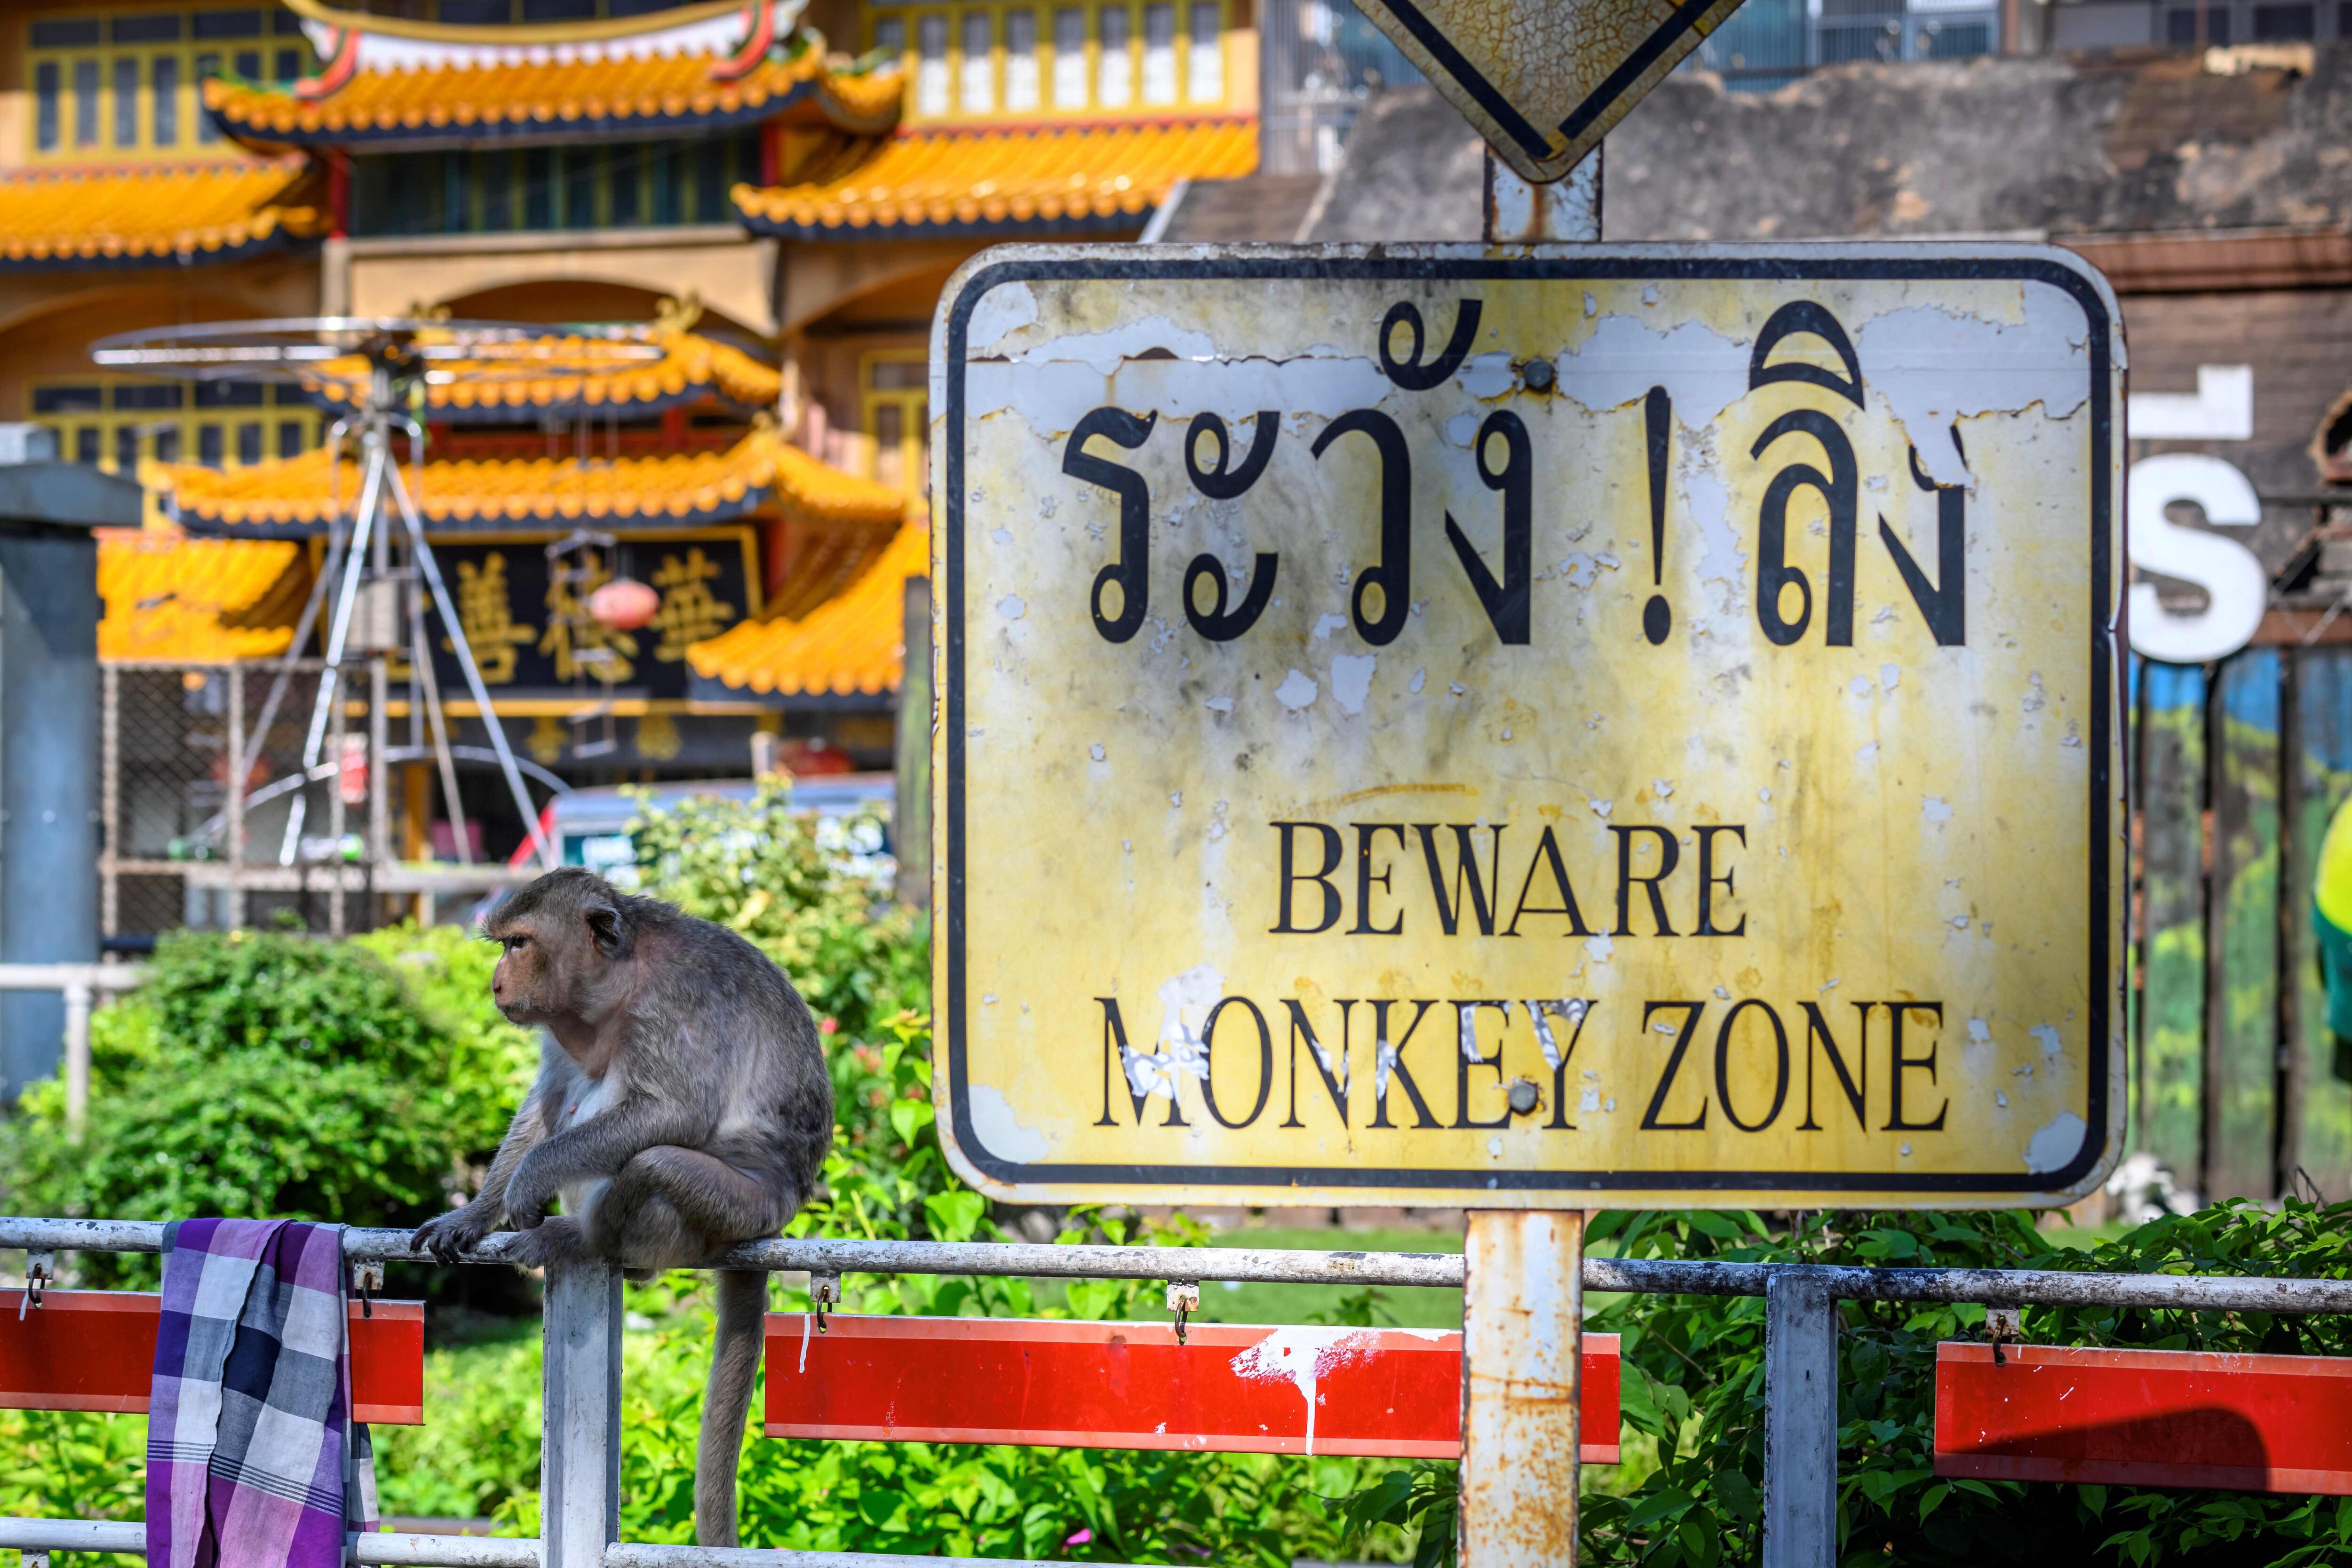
(1564, 728)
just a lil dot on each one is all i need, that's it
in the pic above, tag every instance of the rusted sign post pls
(1522, 1332)
(1523, 1298)
(1530, 728)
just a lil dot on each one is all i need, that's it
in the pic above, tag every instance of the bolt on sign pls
(1558, 727)
(1544, 80)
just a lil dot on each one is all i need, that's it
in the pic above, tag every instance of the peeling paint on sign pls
(1722, 739)
(1302, 1356)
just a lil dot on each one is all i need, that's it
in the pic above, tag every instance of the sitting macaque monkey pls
(682, 1106)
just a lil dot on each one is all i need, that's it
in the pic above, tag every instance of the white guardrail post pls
(81, 984)
(579, 1444)
(1800, 1420)
(77, 1004)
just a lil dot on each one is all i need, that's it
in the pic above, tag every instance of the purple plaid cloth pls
(246, 1462)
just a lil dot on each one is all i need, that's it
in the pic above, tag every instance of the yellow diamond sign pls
(1542, 80)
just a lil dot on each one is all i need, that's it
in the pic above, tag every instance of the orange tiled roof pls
(167, 595)
(1040, 179)
(153, 216)
(760, 474)
(852, 645)
(691, 368)
(662, 92)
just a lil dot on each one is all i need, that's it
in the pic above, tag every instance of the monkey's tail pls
(734, 1362)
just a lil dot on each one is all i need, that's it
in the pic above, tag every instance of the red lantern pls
(624, 604)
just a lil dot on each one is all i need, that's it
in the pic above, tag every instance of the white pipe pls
(64, 976)
(73, 1535)
(1637, 1275)
(399, 1549)
(78, 1000)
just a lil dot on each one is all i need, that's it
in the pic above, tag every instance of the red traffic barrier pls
(2151, 1418)
(1388, 1392)
(94, 1349)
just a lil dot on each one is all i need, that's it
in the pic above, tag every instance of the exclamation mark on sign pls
(1658, 413)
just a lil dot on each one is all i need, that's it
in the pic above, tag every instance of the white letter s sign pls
(2237, 587)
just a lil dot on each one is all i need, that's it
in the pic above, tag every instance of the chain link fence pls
(179, 849)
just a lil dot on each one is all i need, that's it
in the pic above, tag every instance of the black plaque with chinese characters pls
(530, 631)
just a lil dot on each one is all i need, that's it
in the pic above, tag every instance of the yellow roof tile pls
(154, 215)
(550, 96)
(167, 594)
(500, 385)
(816, 488)
(760, 474)
(1046, 179)
(851, 645)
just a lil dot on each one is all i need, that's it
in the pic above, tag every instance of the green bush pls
(477, 1454)
(61, 1465)
(268, 1074)
(485, 1062)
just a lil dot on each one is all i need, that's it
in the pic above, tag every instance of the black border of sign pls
(1422, 270)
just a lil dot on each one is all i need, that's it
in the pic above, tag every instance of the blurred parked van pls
(591, 827)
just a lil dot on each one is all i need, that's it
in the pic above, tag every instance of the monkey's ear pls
(609, 927)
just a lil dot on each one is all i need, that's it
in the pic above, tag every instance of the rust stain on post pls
(1518, 213)
(1522, 1322)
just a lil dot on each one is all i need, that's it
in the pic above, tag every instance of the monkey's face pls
(564, 959)
(528, 983)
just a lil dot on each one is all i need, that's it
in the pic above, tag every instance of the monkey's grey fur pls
(682, 1106)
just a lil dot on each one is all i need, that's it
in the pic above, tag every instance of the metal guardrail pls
(1275, 1266)
(579, 1465)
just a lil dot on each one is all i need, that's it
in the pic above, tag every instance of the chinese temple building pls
(771, 193)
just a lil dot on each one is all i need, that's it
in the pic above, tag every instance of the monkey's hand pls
(530, 1192)
(596, 1150)
(460, 1230)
